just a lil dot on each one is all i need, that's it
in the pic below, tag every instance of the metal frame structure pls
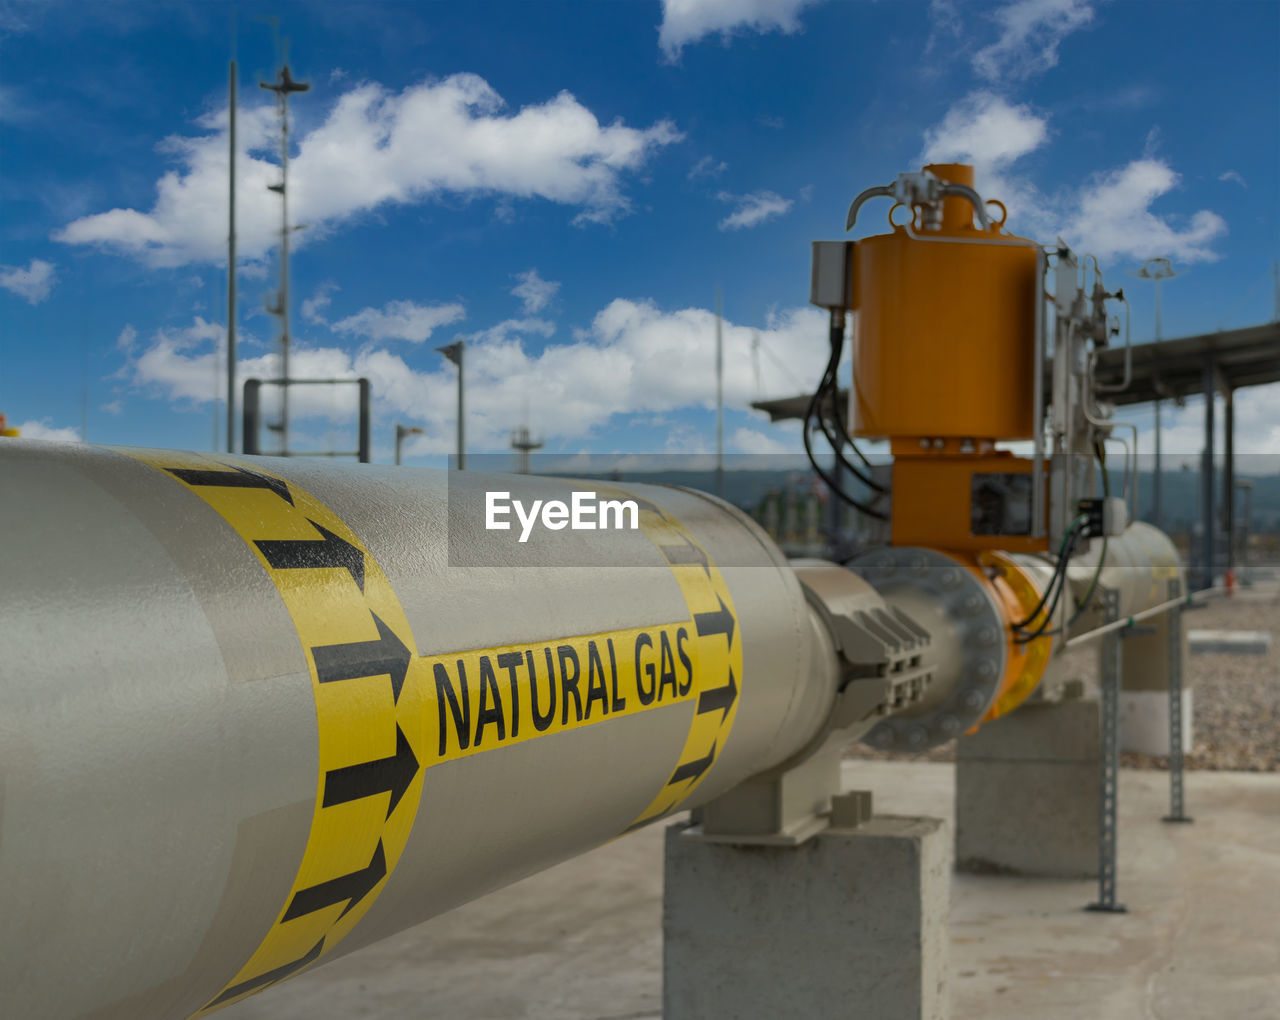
(252, 424)
(1176, 807)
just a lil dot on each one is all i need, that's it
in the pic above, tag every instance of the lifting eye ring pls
(1004, 213)
(896, 206)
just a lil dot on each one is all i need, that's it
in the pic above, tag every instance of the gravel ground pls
(1237, 697)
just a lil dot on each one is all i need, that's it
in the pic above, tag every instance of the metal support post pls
(1157, 507)
(1109, 672)
(1174, 626)
(365, 441)
(231, 263)
(1229, 482)
(1208, 492)
(251, 408)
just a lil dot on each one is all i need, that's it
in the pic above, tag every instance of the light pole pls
(454, 352)
(1157, 269)
(401, 432)
(231, 262)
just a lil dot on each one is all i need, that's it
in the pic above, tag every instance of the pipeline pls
(257, 713)
(253, 712)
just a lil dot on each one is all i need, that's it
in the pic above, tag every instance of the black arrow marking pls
(365, 658)
(693, 769)
(270, 977)
(352, 888)
(236, 478)
(306, 553)
(355, 782)
(686, 553)
(719, 698)
(719, 622)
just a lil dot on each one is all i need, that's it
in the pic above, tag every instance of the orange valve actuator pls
(946, 322)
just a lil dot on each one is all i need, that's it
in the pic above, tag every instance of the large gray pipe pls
(235, 736)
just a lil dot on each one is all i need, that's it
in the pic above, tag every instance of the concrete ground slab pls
(583, 940)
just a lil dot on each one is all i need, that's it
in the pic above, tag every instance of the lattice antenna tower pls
(283, 87)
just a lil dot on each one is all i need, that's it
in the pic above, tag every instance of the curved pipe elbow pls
(880, 191)
(964, 191)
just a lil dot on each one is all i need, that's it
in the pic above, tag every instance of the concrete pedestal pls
(1027, 792)
(851, 923)
(1144, 681)
(1144, 721)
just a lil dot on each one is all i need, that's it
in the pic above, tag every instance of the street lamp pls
(1157, 269)
(453, 352)
(401, 432)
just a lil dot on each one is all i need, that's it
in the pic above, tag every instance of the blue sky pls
(566, 184)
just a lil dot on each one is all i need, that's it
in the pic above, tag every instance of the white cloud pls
(32, 284)
(15, 108)
(753, 209)
(533, 291)
(509, 328)
(945, 21)
(634, 359)
(1113, 217)
(986, 130)
(1030, 31)
(687, 21)
(399, 320)
(128, 338)
(707, 166)
(1232, 175)
(747, 440)
(43, 430)
(377, 148)
(314, 306)
(1110, 215)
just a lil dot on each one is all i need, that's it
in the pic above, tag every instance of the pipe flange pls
(971, 607)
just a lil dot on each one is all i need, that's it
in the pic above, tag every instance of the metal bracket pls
(1110, 667)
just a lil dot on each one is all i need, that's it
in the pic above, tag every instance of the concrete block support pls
(851, 923)
(1027, 792)
(1144, 721)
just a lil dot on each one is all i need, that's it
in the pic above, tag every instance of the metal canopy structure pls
(1175, 368)
(791, 408)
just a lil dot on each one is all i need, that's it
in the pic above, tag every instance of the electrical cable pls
(1059, 571)
(814, 411)
(1029, 636)
(837, 342)
(1100, 452)
(830, 482)
(827, 389)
